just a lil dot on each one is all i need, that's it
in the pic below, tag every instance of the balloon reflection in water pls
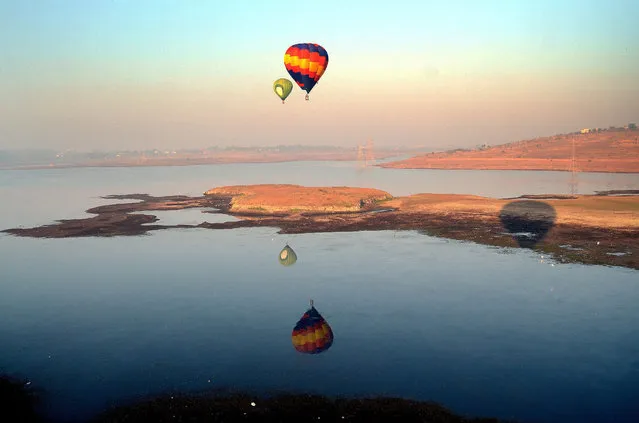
(287, 256)
(312, 335)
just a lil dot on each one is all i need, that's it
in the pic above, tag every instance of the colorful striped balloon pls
(312, 335)
(306, 63)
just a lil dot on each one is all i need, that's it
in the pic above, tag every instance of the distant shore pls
(613, 150)
(590, 229)
(606, 151)
(232, 157)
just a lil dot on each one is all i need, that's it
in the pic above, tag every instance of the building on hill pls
(591, 130)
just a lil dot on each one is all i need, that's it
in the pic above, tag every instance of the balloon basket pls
(306, 97)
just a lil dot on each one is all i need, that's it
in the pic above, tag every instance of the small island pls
(591, 229)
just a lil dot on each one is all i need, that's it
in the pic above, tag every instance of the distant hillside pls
(604, 151)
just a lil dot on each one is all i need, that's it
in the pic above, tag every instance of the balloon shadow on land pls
(312, 334)
(528, 221)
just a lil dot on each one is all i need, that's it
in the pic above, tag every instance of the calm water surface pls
(483, 330)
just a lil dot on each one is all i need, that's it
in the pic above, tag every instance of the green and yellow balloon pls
(287, 256)
(282, 88)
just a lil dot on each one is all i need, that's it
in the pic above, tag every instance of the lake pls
(483, 330)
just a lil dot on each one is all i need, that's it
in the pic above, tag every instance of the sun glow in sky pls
(137, 74)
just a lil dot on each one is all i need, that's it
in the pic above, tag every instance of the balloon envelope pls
(282, 88)
(287, 256)
(312, 335)
(306, 63)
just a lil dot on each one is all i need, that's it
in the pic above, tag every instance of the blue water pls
(483, 330)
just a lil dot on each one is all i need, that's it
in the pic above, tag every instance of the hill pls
(603, 151)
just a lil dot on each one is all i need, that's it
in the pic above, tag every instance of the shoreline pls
(384, 161)
(630, 168)
(600, 229)
(386, 165)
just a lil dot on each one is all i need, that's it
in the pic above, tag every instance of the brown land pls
(609, 151)
(260, 199)
(591, 229)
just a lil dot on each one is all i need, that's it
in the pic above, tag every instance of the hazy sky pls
(97, 74)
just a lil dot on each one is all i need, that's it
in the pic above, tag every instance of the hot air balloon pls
(312, 335)
(306, 63)
(528, 221)
(287, 256)
(282, 88)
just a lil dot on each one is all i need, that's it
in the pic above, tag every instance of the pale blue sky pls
(96, 74)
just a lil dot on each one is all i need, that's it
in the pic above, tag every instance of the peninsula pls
(612, 150)
(589, 229)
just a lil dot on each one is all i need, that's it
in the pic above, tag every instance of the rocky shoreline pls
(600, 229)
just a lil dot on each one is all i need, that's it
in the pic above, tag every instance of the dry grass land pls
(295, 198)
(584, 210)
